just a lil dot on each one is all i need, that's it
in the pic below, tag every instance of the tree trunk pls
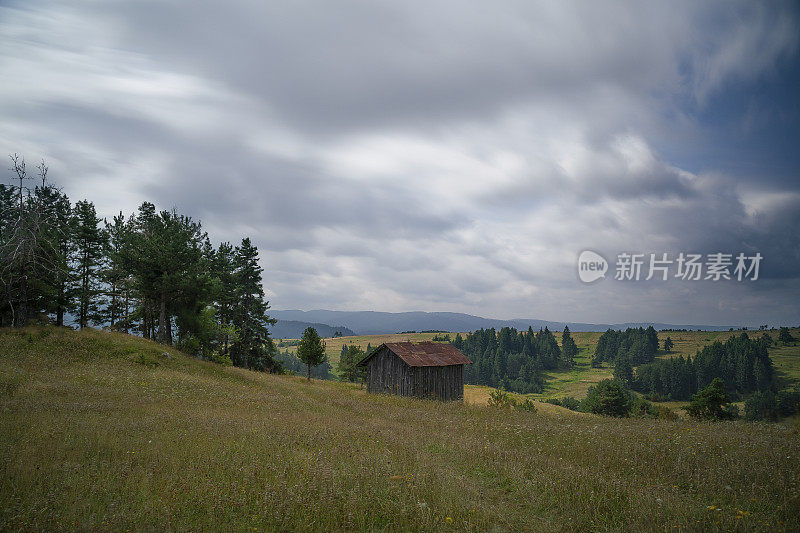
(60, 305)
(225, 341)
(308, 372)
(126, 312)
(84, 319)
(162, 319)
(22, 316)
(169, 331)
(113, 304)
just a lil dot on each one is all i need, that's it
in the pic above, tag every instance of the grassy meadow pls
(108, 432)
(577, 380)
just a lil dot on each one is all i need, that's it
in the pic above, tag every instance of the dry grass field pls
(333, 345)
(107, 432)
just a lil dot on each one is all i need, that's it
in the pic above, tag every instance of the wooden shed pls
(424, 370)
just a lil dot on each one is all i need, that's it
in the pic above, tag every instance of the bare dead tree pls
(27, 248)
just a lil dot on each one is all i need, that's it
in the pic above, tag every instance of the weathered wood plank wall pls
(388, 374)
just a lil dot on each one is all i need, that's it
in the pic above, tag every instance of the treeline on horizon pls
(154, 273)
(514, 360)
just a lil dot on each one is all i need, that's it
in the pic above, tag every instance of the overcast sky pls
(435, 156)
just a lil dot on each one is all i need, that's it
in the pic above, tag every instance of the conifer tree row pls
(511, 359)
(153, 272)
(742, 363)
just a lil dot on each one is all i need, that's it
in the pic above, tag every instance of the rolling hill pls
(105, 431)
(293, 329)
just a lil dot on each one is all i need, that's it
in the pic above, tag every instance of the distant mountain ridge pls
(378, 322)
(293, 329)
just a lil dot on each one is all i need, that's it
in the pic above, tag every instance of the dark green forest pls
(511, 359)
(743, 364)
(153, 273)
(636, 345)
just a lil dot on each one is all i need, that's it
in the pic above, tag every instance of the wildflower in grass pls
(449, 520)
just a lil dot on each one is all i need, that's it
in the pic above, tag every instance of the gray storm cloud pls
(423, 156)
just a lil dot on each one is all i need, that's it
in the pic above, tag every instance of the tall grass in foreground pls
(105, 431)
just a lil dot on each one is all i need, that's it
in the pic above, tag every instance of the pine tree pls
(89, 242)
(652, 339)
(225, 293)
(347, 369)
(113, 275)
(568, 348)
(623, 371)
(668, 344)
(163, 253)
(458, 342)
(311, 350)
(249, 315)
(55, 289)
(499, 373)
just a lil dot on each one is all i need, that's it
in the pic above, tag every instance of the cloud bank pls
(430, 155)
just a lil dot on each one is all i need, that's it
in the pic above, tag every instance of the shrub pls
(784, 336)
(641, 408)
(712, 403)
(571, 403)
(665, 413)
(192, 346)
(611, 398)
(502, 399)
(766, 405)
(221, 359)
(144, 359)
(526, 405)
(607, 398)
(761, 405)
(789, 402)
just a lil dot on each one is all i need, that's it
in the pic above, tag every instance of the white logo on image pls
(591, 266)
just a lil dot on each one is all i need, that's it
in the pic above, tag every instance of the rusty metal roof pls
(425, 353)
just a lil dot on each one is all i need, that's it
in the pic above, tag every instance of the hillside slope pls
(104, 431)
